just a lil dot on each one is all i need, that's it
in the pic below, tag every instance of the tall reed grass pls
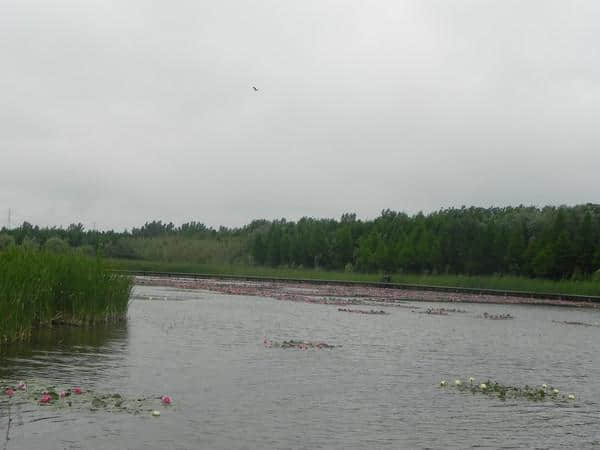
(39, 288)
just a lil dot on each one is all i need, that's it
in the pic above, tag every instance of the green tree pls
(544, 262)
(75, 234)
(564, 256)
(584, 244)
(517, 245)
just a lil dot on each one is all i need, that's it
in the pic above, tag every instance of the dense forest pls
(550, 242)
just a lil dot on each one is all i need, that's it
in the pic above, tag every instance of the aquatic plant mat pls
(504, 392)
(331, 294)
(442, 311)
(362, 311)
(300, 345)
(581, 324)
(497, 316)
(53, 396)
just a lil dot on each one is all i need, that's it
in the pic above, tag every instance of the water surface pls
(379, 390)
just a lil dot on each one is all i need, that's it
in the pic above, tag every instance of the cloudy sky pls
(117, 112)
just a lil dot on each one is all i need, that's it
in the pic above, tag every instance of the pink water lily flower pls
(22, 386)
(9, 392)
(77, 390)
(166, 399)
(62, 394)
(45, 398)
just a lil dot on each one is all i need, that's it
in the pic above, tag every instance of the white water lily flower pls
(555, 391)
(156, 413)
(544, 386)
(571, 397)
(457, 382)
(443, 383)
(483, 386)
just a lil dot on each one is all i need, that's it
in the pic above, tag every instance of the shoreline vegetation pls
(41, 288)
(548, 250)
(506, 283)
(553, 242)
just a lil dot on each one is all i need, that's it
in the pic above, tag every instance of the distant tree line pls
(550, 242)
(114, 243)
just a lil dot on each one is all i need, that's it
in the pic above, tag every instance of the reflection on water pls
(379, 390)
(66, 352)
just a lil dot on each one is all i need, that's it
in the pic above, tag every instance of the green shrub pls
(120, 249)
(56, 245)
(30, 243)
(6, 241)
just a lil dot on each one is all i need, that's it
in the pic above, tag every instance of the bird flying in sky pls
(255, 88)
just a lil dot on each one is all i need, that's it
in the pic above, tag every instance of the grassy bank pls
(39, 288)
(481, 282)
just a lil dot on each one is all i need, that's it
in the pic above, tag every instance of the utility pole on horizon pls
(9, 211)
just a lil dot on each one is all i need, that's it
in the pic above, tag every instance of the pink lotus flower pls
(9, 392)
(45, 398)
(77, 390)
(166, 399)
(22, 386)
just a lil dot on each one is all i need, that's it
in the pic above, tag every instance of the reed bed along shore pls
(40, 288)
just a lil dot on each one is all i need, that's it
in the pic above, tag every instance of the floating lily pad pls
(61, 397)
(501, 391)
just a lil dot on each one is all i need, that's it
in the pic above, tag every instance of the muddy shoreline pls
(346, 295)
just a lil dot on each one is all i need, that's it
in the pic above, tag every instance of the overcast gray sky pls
(118, 112)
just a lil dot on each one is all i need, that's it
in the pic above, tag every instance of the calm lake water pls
(379, 390)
